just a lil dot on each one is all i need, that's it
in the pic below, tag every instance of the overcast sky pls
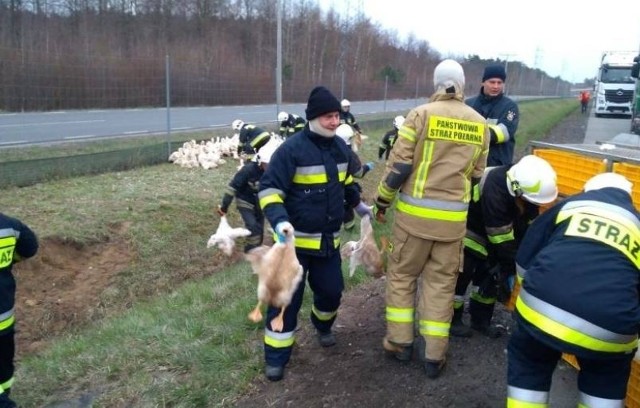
(561, 37)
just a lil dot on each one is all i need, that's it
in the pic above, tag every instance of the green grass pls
(173, 329)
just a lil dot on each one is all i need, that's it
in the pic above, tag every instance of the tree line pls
(80, 54)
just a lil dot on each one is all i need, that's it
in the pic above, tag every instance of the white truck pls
(614, 84)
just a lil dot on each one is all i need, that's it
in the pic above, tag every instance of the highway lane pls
(59, 126)
(63, 126)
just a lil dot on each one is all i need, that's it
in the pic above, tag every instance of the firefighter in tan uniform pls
(440, 152)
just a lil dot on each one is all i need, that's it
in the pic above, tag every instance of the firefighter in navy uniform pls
(347, 117)
(501, 112)
(251, 138)
(290, 123)
(244, 188)
(389, 138)
(17, 242)
(357, 169)
(304, 189)
(505, 201)
(578, 264)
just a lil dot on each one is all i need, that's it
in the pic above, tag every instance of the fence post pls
(167, 69)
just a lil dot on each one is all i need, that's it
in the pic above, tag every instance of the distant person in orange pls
(584, 100)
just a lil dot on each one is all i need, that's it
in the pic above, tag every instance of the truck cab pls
(614, 86)
(635, 110)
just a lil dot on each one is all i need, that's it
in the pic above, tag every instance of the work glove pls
(220, 211)
(363, 210)
(380, 209)
(281, 230)
(371, 165)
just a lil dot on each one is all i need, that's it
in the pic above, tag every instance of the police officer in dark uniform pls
(17, 242)
(501, 112)
(303, 190)
(579, 263)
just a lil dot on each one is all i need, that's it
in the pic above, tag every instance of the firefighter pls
(251, 138)
(501, 112)
(17, 242)
(303, 189)
(345, 132)
(507, 200)
(578, 264)
(441, 149)
(290, 123)
(389, 138)
(244, 188)
(347, 117)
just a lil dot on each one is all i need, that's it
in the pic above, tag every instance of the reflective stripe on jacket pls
(306, 183)
(579, 263)
(441, 146)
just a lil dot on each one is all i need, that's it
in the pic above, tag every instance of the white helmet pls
(237, 124)
(345, 103)
(266, 151)
(603, 180)
(282, 116)
(345, 132)
(398, 121)
(533, 179)
(449, 73)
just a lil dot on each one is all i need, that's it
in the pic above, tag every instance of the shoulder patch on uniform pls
(511, 115)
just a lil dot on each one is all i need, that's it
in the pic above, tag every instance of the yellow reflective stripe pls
(323, 316)
(7, 248)
(469, 191)
(529, 398)
(430, 213)
(348, 181)
(423, 169)
(6, 385)
(256, 140)
(400, 315)
(342, 176)
(476, 246)
(475, 195)
(500, 136)
(408, 134)
(568, 334)
(500, 238)
(5, 324)
(482, 299)
(310, 178)
(385, 192)
(270, 199)
(278, 340)
(308, 243)
(433, 328)
(513, 403)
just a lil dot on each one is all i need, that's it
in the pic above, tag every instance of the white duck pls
(279, 274)
(225, 236)
(365, 251)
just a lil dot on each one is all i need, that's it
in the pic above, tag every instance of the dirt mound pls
(59, 288)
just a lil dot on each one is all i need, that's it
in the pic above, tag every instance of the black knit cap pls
(321, 101)
(494, 71)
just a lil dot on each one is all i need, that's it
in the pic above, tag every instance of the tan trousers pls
(433, 265)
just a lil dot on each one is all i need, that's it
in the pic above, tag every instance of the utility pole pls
(506, 68)
(279, 56)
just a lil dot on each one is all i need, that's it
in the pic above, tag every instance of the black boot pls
(458, 328)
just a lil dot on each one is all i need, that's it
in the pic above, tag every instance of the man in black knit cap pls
(303, 191)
